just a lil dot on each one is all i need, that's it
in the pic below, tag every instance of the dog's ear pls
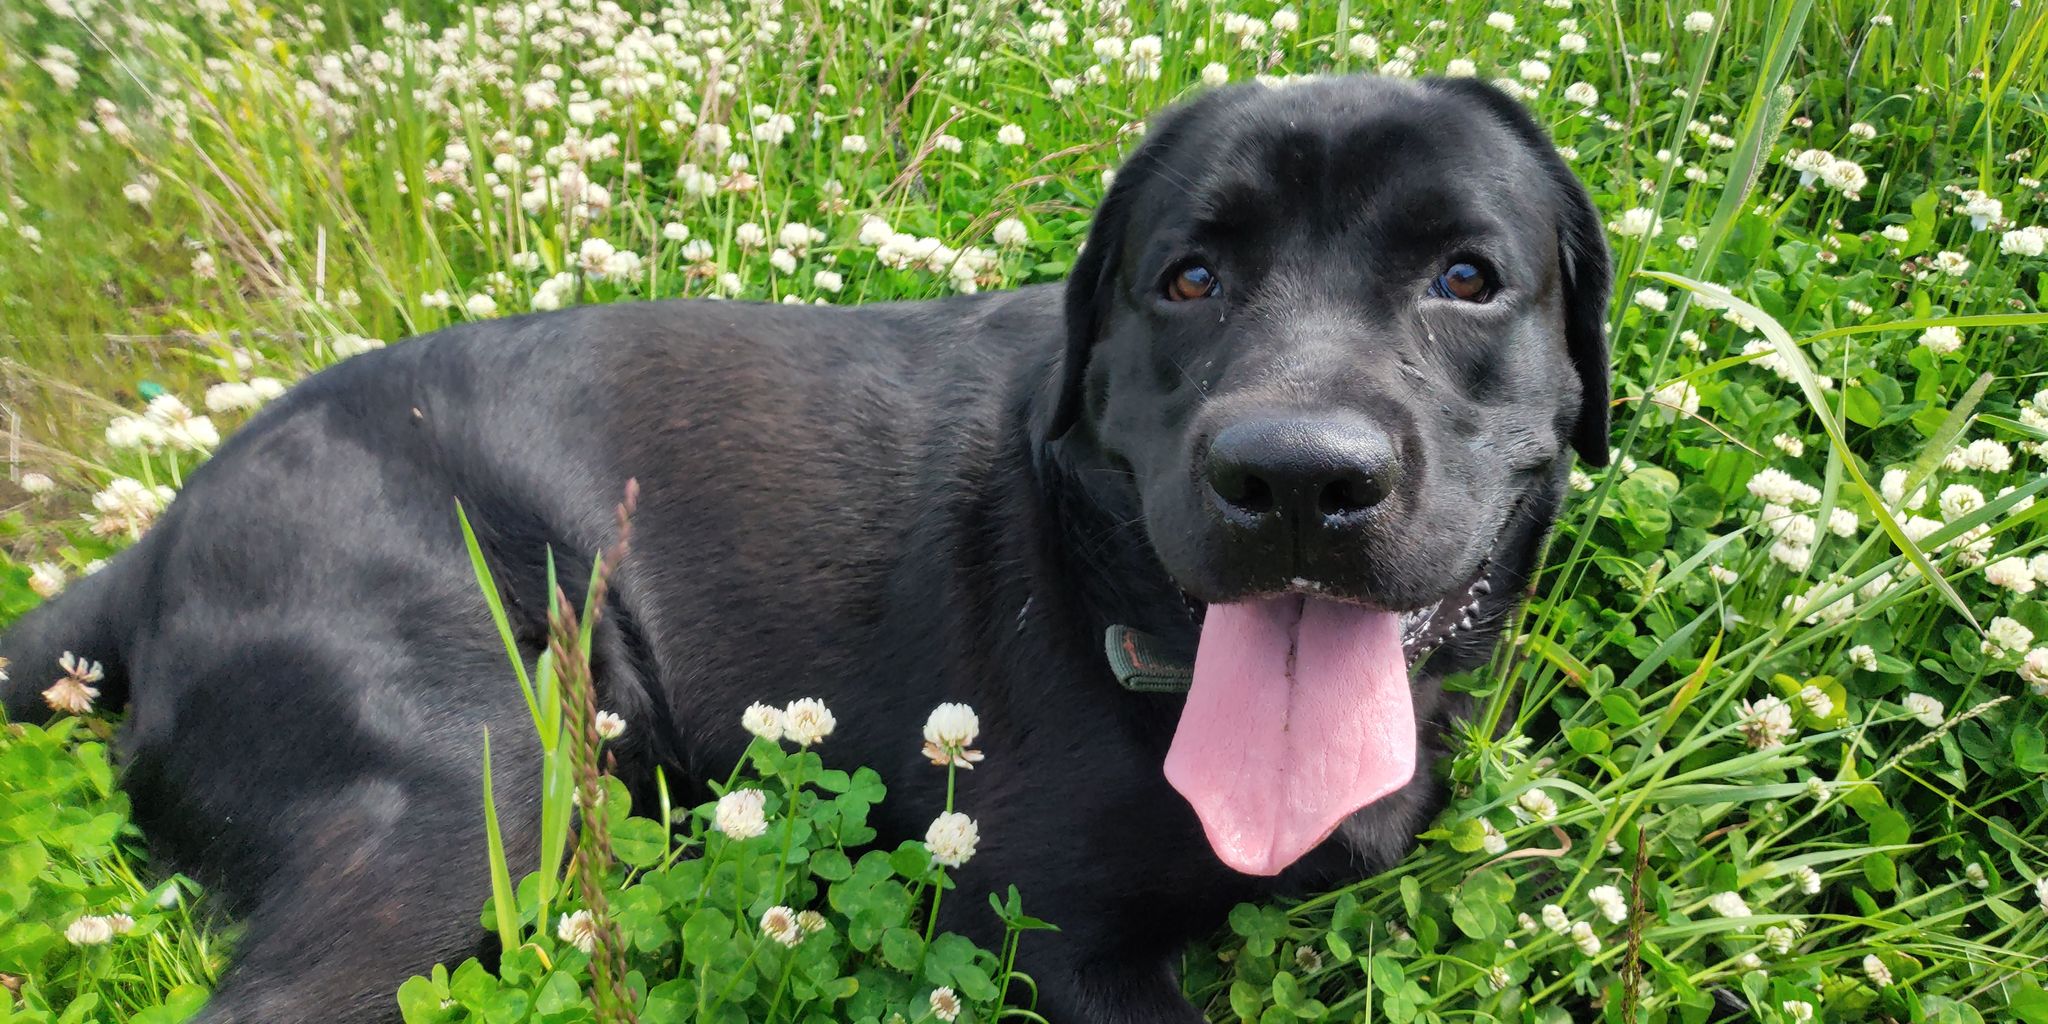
(1588, 284)
(1582, 257)
(1092, 284)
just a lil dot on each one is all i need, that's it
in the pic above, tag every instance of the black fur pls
(886, 507)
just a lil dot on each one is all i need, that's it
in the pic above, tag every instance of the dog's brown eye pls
(1464, 282)
(1193, 282)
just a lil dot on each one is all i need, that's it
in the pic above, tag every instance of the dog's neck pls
(1092, 509)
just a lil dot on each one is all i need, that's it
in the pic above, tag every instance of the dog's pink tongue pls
(1299, 714)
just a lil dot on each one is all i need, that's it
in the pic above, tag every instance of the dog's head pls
(1343, 335)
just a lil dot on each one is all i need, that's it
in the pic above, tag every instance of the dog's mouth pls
(1423, 630)
(1300, 713)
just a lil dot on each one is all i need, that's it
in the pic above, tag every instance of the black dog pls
(1315, 377)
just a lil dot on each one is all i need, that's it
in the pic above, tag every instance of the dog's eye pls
(1194, 281)
(1465, 282)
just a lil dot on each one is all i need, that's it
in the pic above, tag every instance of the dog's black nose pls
(1306, 472)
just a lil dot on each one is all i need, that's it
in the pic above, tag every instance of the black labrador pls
(1301, 418)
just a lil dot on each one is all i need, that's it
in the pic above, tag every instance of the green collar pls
(1141, 663)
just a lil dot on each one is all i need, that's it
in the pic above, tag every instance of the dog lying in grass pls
(1294, 429)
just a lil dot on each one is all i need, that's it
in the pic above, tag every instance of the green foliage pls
(134, 951)
(690, 908)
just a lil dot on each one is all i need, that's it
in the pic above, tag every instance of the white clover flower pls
(1983, 210)
(37, 483)
(135, 432)
(949, 733)
(232, 396)
(1789, 526)
(1919, 528)
(1723, 575)
(96, 929)
(1789, 444)
(1609, 901)
(2034, 671)
(1653, 300)
(1285, 20)
(1699, 22)
(1845, 176)
(741, 814)
(1781, 488)
(2041, 892)
(952, 838)
(798, 237)
(1895, 233)
(1876, 971)
(578, 929)
(1555, 919)
(608, 725)
(1491, 840)
(1986, 455)
(1973, 873)
(1678, 398)
(1215, 74)
(945, 1003)
(1842, 522)
(46, 579)
(1637, 222)
(1798, 1011)
(764, 721)
(1537, 803)
(1954, 264)
(1011, 232)
(810, 921)
(853, 144)
(807, 722)
(1863, 130)
(2013, 573)
(828, 280)
(1780, 939)
(783, 261)
(1893, 488)
(2026, 242)
(1571, 42)
(1010, 135)
(779, 924)
(1941, 339)
(1767, 723)
(1923, 707)
(1959, 500)
(1796, 557)
(2006, 635)
(1534, 72)
(1807, 879)
(1583, 937)
(1501, 20)
(1583, 94)
(480, 305)
(1728, 904)
(1818, 703)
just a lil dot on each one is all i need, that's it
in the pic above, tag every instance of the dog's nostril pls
(1350, 494)
(1241, 489)
(1256, 496)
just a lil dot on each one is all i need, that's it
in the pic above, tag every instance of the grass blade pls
(1816, 400)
